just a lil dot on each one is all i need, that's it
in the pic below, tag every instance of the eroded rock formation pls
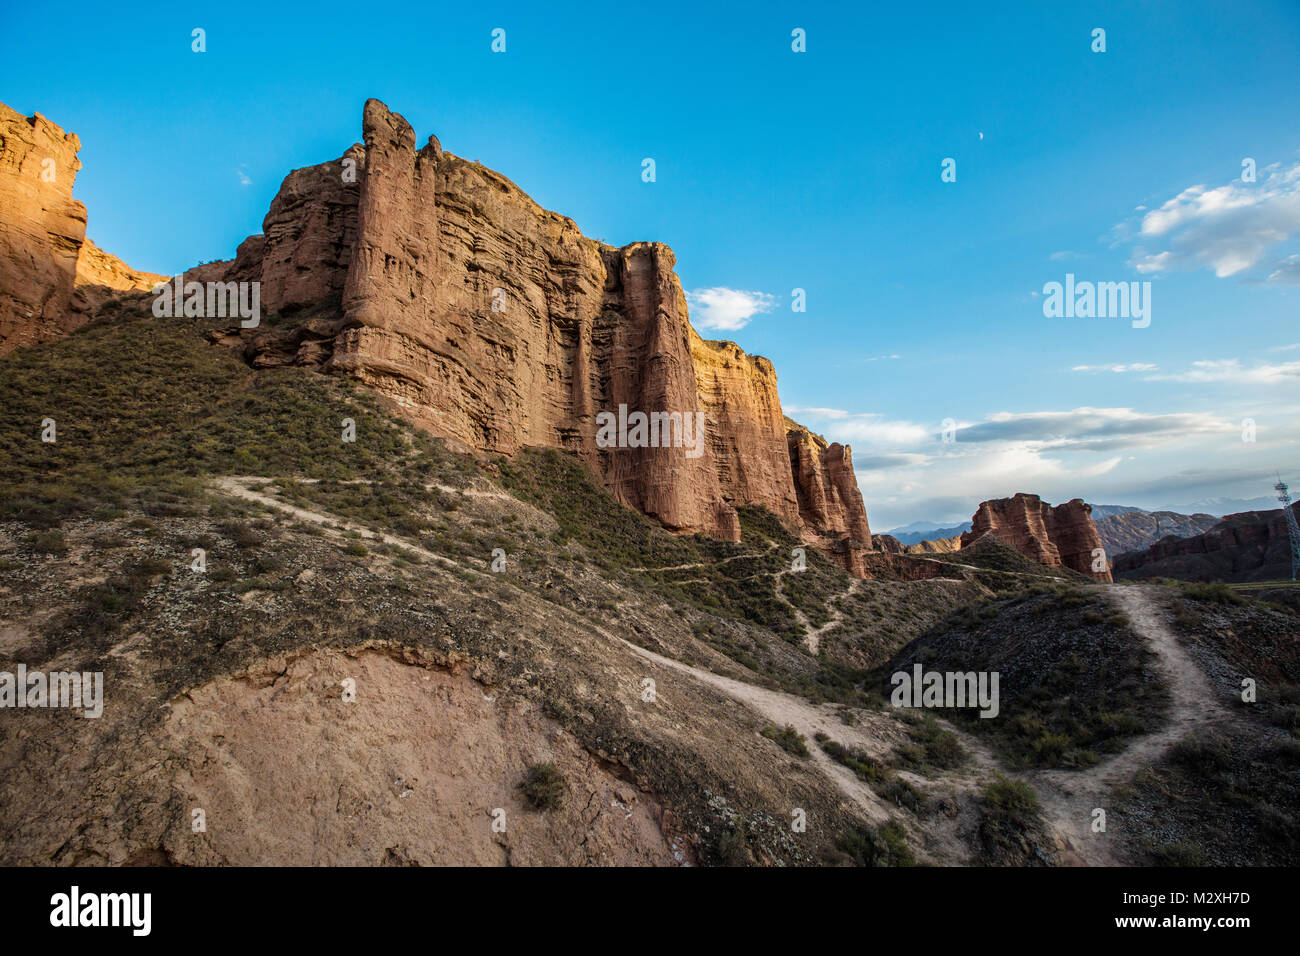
(487, 319)
(1248, 546)
(497, 325)
(1061, 535)
(51, 278)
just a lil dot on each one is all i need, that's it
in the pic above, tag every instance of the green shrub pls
(151, 566)
(884, 846)
(243, 534)
(788, 739)
(1009, 813)
(49, 542)
(733, 847)
(1214, 592)
(544, 786)
(1180, 853)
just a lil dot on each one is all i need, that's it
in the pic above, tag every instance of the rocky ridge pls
(1250, 546)
(1137, 530)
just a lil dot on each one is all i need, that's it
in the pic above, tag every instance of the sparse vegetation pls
(1071, 688)
(788, 739)
(733, 846)
(1010, 829)
(544, 786)
(885, 845)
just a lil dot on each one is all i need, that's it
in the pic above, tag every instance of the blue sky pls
(819, 170)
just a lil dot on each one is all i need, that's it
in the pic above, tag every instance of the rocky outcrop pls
(497, 325)
(102, 276)
(41, 229)
(51, 278)
(1061, 535)
(825, 486)
(746, 428)
(1249, 546)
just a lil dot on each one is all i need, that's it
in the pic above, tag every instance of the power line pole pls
(1292, 528)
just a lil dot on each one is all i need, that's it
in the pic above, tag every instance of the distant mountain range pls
(1207, 506)
(1136, 530)
(1107, 511)
(919, 531)
(1226, 506)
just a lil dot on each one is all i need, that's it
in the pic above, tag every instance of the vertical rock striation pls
(1063, 535)
(51, 277)
(497, 325)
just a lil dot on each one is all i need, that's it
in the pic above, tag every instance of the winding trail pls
(1068, 797)
(775, 706)
(236, 487)
(807, 718)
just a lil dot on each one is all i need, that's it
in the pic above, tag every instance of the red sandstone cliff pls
(1063, 535)
(497, 325)
(51, 277)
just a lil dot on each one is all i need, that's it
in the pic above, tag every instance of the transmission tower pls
(1292, 528)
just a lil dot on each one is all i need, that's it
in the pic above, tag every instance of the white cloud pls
(875, 432)
(727, 310)
(1229, 228)
(815, 412)
(243, 177)
(866, 428)
(1134, 367)
(1232, 371)
(1100, 454)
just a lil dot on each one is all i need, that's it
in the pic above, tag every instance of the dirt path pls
(814, 636)
(779, 708)
(238, 488)
(1069, 797)
(807, 718)
(771, 546)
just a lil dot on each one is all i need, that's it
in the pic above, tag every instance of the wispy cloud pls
(1288, 271)
(727, 310)
(1133, 367)
(1091, 429)
(1232, 371)
(1229, 229)
(815, 412)
(243, 176)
